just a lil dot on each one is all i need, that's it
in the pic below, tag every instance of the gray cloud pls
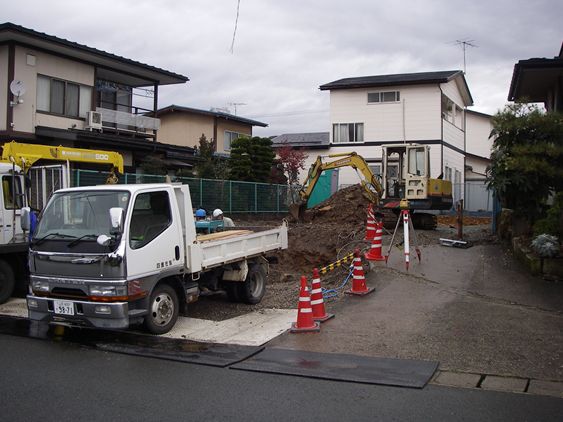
(284, 50)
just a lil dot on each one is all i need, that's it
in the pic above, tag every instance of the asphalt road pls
(48, 380)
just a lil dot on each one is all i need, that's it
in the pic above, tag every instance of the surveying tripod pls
(407, 224)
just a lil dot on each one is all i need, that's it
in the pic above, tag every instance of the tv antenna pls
(464, 44)
(235, 106)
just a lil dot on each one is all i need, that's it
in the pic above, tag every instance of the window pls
(151, 216)
(451, 112)
(416, 162)
(229, 138)
(384, 97)
(347, 132)
(12, 190)
(61, 97)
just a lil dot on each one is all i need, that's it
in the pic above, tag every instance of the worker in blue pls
(32, 223)
(200, 214)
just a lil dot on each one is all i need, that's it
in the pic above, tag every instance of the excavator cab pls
(406, 171)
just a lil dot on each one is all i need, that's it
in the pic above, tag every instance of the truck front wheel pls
(163, 310)
(254, 287)
(7, 281)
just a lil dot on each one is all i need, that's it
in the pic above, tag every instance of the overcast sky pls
(285, 49)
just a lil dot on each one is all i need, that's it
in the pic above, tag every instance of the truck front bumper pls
(91, 314)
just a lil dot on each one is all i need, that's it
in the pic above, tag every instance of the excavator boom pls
(372, 188)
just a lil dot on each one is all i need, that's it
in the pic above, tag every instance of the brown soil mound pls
(329, 227)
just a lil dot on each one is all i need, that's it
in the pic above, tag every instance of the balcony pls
(124, 122)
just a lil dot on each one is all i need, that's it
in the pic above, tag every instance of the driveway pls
(473, 310)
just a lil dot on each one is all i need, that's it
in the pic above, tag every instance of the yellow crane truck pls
(16, 163)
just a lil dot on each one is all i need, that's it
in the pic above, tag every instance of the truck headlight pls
(110, 290)
(40, 286)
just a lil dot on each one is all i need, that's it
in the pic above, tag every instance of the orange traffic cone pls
(370, 224)
(374, 253)
(359, 287)
(317, 302)
(305, 322)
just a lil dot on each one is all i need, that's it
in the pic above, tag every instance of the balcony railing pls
(127, 121)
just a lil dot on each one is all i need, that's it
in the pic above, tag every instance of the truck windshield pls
(82, 214)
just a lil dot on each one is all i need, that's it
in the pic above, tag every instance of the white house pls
(428, 108)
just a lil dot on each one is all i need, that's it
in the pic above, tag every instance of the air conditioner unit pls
(94, 120)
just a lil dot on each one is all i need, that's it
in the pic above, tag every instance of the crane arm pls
(371, 185)
(25, 155)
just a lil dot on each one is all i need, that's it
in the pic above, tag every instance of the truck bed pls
(216, 249)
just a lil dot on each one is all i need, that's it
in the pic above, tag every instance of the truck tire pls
(232, 289)
(7, 281)
(163, 310)
(252, 290)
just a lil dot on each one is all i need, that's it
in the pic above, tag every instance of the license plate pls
(63, 307)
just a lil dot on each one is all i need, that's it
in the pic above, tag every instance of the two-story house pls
(54, 91)
(427, 108)
(184, 126)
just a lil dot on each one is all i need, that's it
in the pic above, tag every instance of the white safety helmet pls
(217, 213)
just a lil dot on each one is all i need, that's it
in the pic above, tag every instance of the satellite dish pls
(17, 88)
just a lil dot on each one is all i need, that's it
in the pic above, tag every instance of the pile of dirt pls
(328, 228)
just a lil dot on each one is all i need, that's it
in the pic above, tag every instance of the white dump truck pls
(112, 256)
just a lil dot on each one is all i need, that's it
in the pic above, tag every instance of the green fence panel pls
(229, 195)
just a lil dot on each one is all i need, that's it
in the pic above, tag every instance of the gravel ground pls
(284, 279)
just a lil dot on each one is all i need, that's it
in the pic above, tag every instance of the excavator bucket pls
(297, 211)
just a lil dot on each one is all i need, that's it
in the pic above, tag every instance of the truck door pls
(12, 202)
(154, 236)
(416, 177)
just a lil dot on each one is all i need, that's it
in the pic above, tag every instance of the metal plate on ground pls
(131, 343)
(342, 367)
(185, 351)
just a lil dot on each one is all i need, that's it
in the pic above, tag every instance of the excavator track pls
(420, 220)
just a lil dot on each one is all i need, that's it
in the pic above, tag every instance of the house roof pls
(478, 113)
(421, 78)
(532, 79)
(174, 108)
(110, 66)
(314, 139)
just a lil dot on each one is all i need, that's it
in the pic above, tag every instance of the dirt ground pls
(331, 230)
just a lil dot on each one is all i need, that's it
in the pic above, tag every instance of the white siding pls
(3, 85)
(455, 161)
(384, 121)
(478, 130)
(451, 90)
(453, 135)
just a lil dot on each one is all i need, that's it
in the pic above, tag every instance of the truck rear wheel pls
(7, 281)
(163, 310)
(252, 290)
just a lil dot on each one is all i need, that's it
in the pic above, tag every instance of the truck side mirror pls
(25, 218)
(116, 218)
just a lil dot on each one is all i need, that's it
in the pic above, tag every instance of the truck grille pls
(66, 292)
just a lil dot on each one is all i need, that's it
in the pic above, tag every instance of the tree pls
(527, 158)
(251, 159)
(209, 166)
(292, 161)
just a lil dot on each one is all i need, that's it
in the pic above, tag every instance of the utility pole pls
(464, 44)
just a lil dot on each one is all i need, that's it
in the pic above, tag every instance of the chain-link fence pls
(229, 195)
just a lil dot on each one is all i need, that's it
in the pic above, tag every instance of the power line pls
(288, 113)
(235, 31)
